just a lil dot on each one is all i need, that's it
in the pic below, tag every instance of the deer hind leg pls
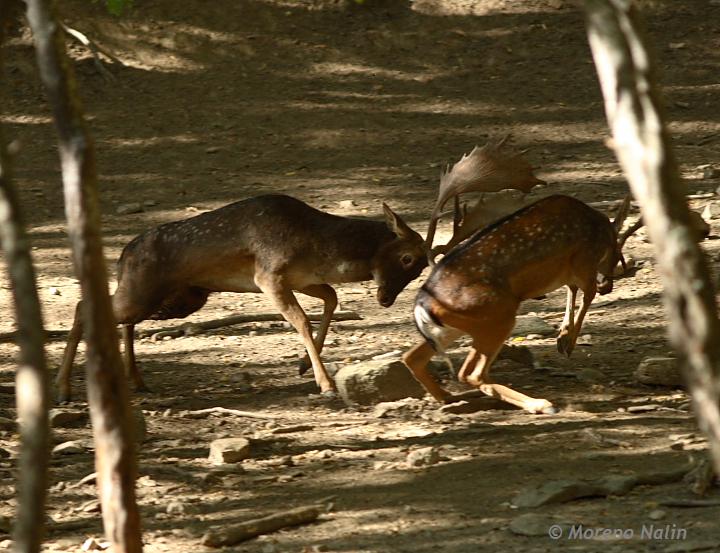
(565, 342)
(287, 304)
(326, 293)
(62, 381)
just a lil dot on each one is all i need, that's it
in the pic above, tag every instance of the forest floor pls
(329, 102)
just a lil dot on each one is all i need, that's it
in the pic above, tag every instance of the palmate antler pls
(492, 168)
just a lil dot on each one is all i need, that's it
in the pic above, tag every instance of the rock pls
(660, 371)
(657, 514)
(54, 291)
(91, 544)
(423, 457)
(387, 355)
(534, 524)
(212, 150)
(371, 382)
(532, 324)
(127, 209)
(72, 447)
(64, 418)
(619, 270)
(229, 450)
(560, 491)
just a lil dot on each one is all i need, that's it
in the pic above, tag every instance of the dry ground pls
(329, 102)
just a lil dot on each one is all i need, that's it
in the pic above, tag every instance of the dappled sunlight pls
(26, 119)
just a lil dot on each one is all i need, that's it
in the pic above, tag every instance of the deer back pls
(555, 241)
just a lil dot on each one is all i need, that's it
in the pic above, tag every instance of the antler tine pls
(491, 168)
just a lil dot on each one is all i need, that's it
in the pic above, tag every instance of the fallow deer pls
(274, 244)
(477, 288)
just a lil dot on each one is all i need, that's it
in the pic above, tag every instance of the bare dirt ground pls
(329, 102)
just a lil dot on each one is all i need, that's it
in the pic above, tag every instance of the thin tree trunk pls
(107, 389)
(31, 378)
(633, 108)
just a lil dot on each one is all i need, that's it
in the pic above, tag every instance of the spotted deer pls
(477, 287)
(273, 244)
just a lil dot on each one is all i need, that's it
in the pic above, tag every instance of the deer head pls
(398, 261)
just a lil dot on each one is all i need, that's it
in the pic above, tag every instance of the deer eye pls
(407, 260)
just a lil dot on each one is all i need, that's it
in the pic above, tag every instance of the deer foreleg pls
(289, 307)
(326, 293)
(588, 296)
(416, 359)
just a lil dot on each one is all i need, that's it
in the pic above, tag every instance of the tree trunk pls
(107, 389)
(31, 378)
(642, 144)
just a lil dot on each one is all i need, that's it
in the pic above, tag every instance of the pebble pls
(63, 418)
(657, 514)
(127, 209)
(229, 450)
(423, 457)
(54, 291)
(347, 204)
(643, 408)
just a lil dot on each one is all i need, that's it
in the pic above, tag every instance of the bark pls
(107, 390)
(31, 378)
(633, 108)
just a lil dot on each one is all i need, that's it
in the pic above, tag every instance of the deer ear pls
(395, 223)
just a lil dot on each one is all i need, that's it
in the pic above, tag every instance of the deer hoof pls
(303, 365)
(541, 407)
(565, 345)
(329, 394)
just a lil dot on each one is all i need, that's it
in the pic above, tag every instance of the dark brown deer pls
(273, 244)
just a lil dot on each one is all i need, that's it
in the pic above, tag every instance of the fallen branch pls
(188, 329)
(231, 535)
(95, 50)
(226, 411)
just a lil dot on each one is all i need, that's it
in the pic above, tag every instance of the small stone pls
(127, 209)
(659, 371)
(657, 514)
(91, 544)
(64, 418)
(534, 337)
(177, 508)
(423, 457)
(212, 150)
(72, 447)
(347, 204)
(677, 45)
(54, 291)
(6, 544)
(229, 450)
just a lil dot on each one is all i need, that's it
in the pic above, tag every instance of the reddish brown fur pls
(477, 288)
